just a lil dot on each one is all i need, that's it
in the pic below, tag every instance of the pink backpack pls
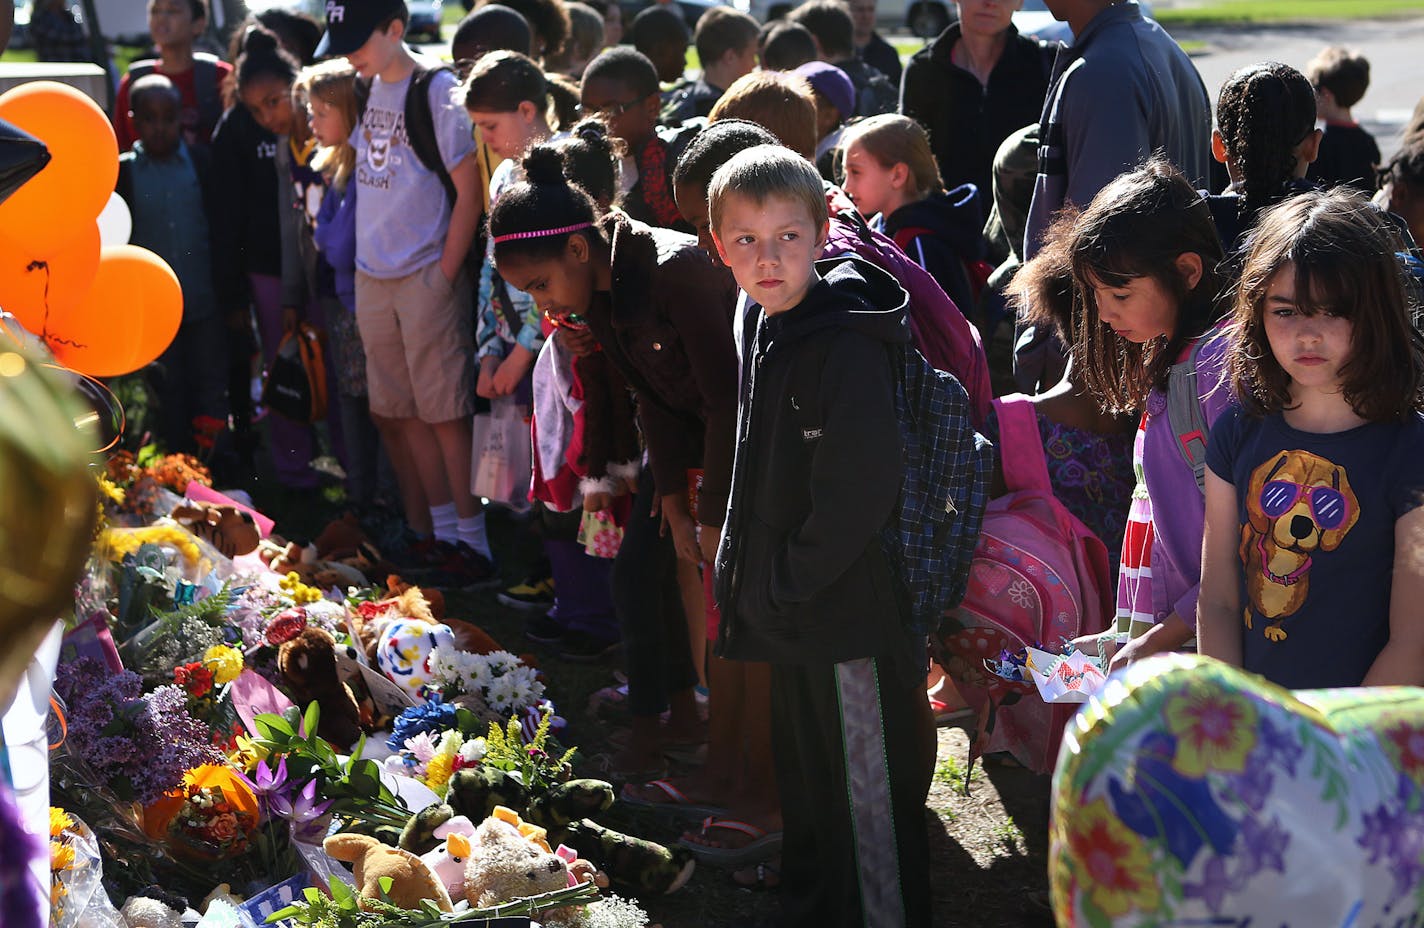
(1039, 575)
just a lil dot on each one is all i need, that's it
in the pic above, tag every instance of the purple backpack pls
(946, 339)
(1039, 575)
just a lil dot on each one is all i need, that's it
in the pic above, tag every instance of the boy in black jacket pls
(802, 579)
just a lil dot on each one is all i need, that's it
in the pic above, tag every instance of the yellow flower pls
(438, 772)
(110, 490)
(59, 821)
(247, 753)
(119, 542)
(1106, 860)
(1215, 730)
(225, 662)
(61, 856)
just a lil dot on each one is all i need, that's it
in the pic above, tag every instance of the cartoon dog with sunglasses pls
(1298, 504)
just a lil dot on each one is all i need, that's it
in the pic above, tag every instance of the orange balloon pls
(127, 319)
(58, 204)
(32, 287)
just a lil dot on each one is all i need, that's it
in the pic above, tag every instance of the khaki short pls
(418, 332)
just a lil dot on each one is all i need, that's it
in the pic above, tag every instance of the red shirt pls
(196, 129)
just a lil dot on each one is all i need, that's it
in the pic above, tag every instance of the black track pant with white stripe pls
(854, 747)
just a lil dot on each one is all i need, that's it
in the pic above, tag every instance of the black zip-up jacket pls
(667, 326)
(944, 231)
(967, 121)
(247, 234)
(801, 577)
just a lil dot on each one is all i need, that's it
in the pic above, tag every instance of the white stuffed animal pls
(448, 859)
(403, 652)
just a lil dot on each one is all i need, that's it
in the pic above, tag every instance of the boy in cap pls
(835, 105)
(413, 233)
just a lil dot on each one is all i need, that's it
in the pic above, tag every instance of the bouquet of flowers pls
(139, 744)
(214, 814)
(501, 680)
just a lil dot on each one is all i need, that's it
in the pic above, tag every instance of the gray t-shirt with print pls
(402, 214)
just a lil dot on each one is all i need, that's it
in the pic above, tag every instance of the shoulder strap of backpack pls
(420, 126)
(205, 84)
(1185, 414)
(124, 185)
(906, 235)
(1025, 465)
(142, 68)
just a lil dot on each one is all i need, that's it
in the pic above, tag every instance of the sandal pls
(676, 801)
(603, 765)
(762, 877)
(762, 846)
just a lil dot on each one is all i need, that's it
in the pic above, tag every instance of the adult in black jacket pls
(970, 89)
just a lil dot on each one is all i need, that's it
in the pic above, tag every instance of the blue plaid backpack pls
(930, 539)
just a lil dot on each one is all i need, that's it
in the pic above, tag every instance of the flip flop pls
(760, 872)
(676, 801)
(764, 844)
(603, 765)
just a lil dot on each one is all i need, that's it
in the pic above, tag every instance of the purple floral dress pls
(1091, 475)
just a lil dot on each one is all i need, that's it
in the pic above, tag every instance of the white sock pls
(472, 532)
(446, 523)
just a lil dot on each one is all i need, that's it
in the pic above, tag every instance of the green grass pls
(951, 773)
(1009, 836)
(1218, 12)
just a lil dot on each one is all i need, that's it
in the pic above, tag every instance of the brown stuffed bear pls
(505, 865)
(411, 880)
(308, 665)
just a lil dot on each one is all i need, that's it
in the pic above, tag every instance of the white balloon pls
(115, 222)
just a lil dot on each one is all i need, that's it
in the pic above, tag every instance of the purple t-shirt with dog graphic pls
(1317, 518)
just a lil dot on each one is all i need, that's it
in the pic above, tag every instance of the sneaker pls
(462, 568)
(582, 648)
(544, 630)
(533, 595)
(410, 552)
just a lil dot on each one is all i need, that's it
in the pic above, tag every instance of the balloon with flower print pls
(1190, 792)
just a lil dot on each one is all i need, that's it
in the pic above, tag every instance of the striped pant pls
(854, 746)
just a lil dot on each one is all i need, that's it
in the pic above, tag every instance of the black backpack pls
(419, 121)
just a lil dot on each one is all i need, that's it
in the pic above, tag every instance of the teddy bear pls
(505, 865)
(308, 666)
(151, 907)
(230, 530)
(564, 811)
(411, 880)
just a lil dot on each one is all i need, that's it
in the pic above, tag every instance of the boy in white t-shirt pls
(413, 301)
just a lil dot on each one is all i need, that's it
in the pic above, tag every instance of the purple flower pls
(305, 813)
(1214, 886)
(1395, 835)
(1279, 744)
(1261, 847)
(1253, 786)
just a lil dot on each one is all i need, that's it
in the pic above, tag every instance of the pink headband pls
(542, 233)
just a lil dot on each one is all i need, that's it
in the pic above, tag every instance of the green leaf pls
(385, 883)
(312, 894)
(280, 914)
(312, 717)
(272, 727)
(360, 748)
(365, 779)
(341, 893)
(293, 717)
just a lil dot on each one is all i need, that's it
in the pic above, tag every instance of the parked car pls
(1033, 18)
(923, 18)
(425, 18)
(691, 10)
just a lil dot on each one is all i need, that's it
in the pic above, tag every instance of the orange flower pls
(1107, 860)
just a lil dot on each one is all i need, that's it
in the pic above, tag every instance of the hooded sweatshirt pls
(940, 233)
(801, 575)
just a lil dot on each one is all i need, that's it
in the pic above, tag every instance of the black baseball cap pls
(349, 23)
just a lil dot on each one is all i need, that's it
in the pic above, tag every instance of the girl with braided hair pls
(1267, 139)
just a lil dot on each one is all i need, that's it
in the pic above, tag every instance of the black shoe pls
(462, 568)
(544, 630)
(533, 595)
(582, 648)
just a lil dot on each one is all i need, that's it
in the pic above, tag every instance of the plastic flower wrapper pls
(211, 817)
(77, 895)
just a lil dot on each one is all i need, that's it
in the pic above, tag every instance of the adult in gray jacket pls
(1121, 92)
